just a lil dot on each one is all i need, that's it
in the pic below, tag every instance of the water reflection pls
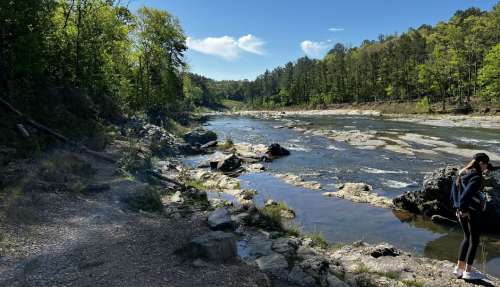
(446, 247)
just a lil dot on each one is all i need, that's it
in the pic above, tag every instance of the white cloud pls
(227, 47)
(336, 29)
(314, 49)
(251, 44)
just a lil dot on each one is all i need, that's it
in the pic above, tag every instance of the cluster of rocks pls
(292, 261)
(360, 193)
(294, 124)
(146, 131)
(244, 153)
(434, 198)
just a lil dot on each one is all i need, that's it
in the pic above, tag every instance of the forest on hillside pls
(68, 62)
(449, 62)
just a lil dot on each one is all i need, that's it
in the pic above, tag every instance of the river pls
(390, 173)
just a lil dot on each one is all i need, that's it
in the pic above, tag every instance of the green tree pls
(489, 75)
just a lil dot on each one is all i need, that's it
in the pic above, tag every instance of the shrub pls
(424, 104)
(60, 167)
(229, 144)
(319, 239)
(148, 201)
(248, 195)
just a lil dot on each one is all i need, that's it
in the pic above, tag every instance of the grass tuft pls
(319, 239)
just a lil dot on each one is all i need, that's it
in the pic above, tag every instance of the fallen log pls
(58, 136)
(162, 177)
(59, 187)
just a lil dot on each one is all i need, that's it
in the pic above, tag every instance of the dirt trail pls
(93, 242)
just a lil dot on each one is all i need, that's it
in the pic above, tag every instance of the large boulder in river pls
(434, 198)
(200, 136)
(229, 163)
(277, 150)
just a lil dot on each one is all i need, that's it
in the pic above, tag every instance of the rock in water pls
(277, 150)
(360, 193)
(230, 163)
(434, 198)
(200, 136)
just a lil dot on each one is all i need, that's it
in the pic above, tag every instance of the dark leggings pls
(472, 231)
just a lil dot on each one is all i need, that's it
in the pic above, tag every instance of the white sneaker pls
(458, 271)
(473, 275)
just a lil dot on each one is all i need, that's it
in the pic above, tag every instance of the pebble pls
(199, 263)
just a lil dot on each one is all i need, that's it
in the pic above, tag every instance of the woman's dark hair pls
(474, 164)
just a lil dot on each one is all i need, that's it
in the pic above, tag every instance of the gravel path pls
(60, 241)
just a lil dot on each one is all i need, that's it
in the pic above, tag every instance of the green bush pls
(148, 201)
(99, 140)
(60, 167)
(425, 105)
(248, 195)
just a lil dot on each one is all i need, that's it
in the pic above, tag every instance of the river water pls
(390, 173)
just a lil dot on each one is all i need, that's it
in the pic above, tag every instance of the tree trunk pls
(162, 177)
(58, 136)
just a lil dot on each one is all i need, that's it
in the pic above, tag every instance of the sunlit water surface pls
(390, 173)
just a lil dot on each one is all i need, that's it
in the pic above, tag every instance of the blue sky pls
(239, 40)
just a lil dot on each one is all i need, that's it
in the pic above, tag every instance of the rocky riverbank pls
(112, 238)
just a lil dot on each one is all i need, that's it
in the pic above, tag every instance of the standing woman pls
(469, 205)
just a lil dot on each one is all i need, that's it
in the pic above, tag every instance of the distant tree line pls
(453, 60)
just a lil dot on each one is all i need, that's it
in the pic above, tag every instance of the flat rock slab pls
(300, 277)
(360, 193)
(274, 265)
(256, 167)
(384, 259)
(246, 147)
(426, 140)
(286, 246)
(298, 181)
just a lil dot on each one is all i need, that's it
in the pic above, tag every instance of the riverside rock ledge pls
(434, 198)
(360, 193)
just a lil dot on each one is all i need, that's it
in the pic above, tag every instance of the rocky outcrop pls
(212, 144)
(256, 167)
(246, 147)
(299, 262)
(276, 150)
(298, 181)
(200, 136)
(288, 263)
(207, 162)
(229, 163)
(216, 246)
(360, 193)
(434, 198)
(275, 265)
(220, 219)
